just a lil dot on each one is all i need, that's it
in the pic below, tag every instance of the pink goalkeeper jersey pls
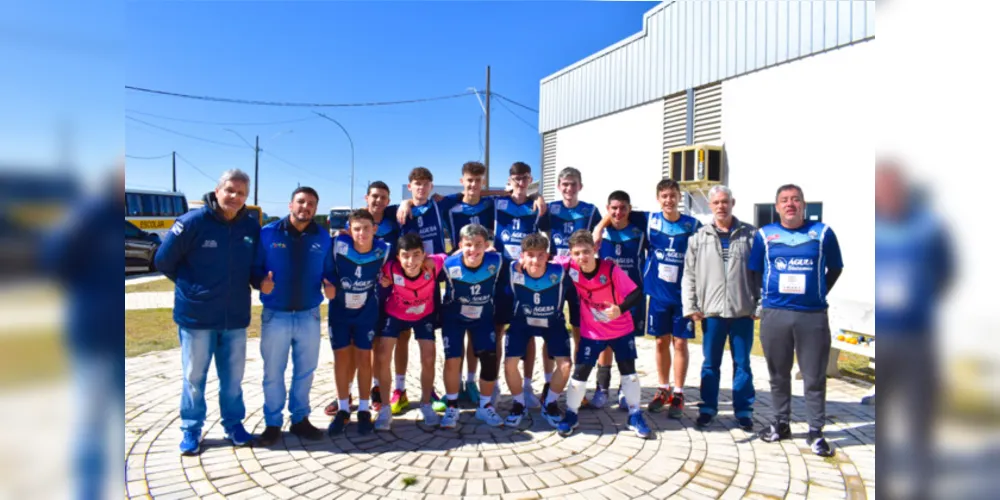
(610, 286)
(412, 299)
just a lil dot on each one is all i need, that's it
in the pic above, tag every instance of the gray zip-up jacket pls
(715, 287)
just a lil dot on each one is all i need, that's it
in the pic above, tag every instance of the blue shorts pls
(574, 305)
(358, 333)
(453, 337)
(668, 319)
(423, 328)
(555, 335)
(623, 348)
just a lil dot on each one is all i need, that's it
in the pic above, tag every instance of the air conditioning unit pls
(698, 164)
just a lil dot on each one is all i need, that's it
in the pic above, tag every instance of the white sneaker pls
(530, 400)
(489, 416)
(450, 420)
(431, 418)
(384, 420)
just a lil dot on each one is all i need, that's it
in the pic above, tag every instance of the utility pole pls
(256, 169)
(351, 142)
(487, 153)
(174, 154)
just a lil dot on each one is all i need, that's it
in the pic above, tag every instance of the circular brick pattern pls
(603, 459)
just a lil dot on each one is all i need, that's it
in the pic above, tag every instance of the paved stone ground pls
(602, 460)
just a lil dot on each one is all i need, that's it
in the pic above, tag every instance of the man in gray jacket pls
(718, 291)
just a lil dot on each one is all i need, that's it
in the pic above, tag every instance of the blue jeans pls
(281, 332)
(740, 334)
(99, 397)
(229, 347)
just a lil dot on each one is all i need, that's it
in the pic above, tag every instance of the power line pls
(255, 102)
(231, 124)
(529, 108)
(182, 134)
(148, 157)
(511, 111)
(200, 171)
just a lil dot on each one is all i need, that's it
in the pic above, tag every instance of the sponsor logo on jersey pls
(492, 269)
(342, 248)
(604, 280)
(554, 278)
(278, 244)
(502, 205)
(210, 244)
(556, 208)
(455, 272)
(780, 264)
(345, 283)
(813, 235)
(574, 275)
(773, 237)
(316, 247)
(178, 228)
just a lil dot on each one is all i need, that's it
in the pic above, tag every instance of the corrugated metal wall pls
(708, 114)
(674, 126)
(690, 43)
(549, 166)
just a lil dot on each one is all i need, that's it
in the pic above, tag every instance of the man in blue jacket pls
(291, 268)
(208, 254)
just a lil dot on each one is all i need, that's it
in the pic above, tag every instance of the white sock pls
(665, 387)
(552, 397)
(484, 401)
(470, 377)
(633, 392)
(679, 390)
(363, 405)
(375, 382)
(527, 385)
(548, 378)
(574, 396)
(452, 397)
(519, 398)
(344, 405)
(401, 382)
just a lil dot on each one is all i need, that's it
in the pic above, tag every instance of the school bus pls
(154, 211)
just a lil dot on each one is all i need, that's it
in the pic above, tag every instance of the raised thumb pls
(270, 275)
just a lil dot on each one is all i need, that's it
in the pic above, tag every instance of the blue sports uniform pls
(468, 304)
(794, 263)
(627, 248)
(459, 214)
(427, 221)
(388, 232)
(668, 242)
(513, 222)
(538, 310)
(354, 312)
(562, 223)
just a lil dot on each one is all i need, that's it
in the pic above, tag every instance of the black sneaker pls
(776, 432)
(703, 420)
(746, 423)
(365, 425)
(270, 436)
(306, 430)
(819, 445)
(340, 421)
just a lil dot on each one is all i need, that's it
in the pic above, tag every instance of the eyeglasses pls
(520, 178)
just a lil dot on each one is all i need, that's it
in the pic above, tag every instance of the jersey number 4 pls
(357, 272)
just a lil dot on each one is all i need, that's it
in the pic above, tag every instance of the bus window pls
(179, 207)
(148, 206)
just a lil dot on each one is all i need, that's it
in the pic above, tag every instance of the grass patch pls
(409, 481)
(31, 357)
(161, 285)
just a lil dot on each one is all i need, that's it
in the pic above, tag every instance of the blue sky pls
(346, 52)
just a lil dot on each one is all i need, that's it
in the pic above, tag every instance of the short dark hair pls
(534, 241)
(361, 214)
(519, 167)
(789, 187)
(307, 190)
(378, 185)
(581, 237)
(421, 174)
(621, 196)
(410, 241)
(667, 184)
(474, 168)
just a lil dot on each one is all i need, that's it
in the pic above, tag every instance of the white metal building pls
(783, 86)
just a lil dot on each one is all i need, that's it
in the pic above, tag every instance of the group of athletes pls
(516, 262)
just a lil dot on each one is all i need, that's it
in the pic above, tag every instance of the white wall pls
(809, 122)
(620, 151)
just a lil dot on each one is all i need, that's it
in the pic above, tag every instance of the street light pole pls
(351, 141)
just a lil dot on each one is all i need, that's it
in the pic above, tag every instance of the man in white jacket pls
(719, 291)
